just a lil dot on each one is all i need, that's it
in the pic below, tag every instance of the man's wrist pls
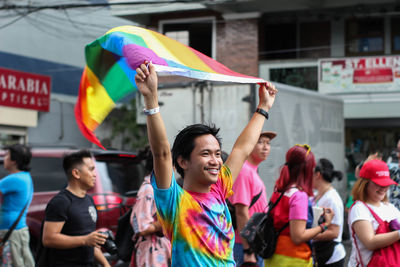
(150, 101)
(264, 107)
(262, 112)
(248, 251)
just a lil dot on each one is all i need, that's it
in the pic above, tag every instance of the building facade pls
(42, 44)
(346, 48)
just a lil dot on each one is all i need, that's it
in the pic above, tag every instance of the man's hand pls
(146, 81)
(249, 258)
(266, 94)
(95, 239)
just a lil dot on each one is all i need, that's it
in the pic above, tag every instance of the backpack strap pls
(272, 205)
(254, 199)
(7, 235)
(283, 228)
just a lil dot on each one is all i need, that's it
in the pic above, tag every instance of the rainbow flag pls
(112, 59)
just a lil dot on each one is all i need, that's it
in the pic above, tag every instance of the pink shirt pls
(247, 185)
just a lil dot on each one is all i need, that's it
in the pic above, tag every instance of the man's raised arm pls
(146, 81)
(250, 134)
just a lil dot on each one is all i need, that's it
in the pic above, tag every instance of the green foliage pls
(124, 125)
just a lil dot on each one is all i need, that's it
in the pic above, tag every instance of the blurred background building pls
(345, 48)
(41, 62)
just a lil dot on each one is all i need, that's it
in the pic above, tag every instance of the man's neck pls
(76, 190)
(253, 161)
(198, 188)
(13, 170)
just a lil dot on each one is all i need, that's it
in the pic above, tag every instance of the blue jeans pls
(238, 256)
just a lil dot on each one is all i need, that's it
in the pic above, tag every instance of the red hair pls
(298, 169)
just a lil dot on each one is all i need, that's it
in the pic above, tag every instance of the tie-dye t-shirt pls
(199, 225)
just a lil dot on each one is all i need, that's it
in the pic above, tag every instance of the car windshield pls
(119, 174)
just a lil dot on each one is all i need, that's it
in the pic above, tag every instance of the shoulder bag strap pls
(358, 250)
(255, 198)
(377, 218)
(7, 235)
(353, 234)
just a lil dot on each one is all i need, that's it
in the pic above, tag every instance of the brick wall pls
(237, 45)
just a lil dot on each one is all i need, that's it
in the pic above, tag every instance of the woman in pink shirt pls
(295, 183)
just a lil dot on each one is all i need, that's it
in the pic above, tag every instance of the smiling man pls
(249, 197)
(196, 218)
(70, 220)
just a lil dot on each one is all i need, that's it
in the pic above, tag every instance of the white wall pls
(298, 116)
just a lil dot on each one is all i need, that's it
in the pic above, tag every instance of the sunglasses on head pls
(307, 147)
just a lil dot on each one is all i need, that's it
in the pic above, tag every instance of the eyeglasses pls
(306, 147)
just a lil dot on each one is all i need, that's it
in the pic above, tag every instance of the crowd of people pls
(188, 223)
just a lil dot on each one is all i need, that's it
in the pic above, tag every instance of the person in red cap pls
(249, 197)
(394, 168)
(371, 206)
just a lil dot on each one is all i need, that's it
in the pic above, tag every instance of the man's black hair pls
(184, 142)
(71, 161)
(21, 154)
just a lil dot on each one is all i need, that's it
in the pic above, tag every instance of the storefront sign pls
(24, 90)
(356, 74)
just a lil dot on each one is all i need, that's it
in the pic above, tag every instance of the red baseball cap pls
(377, 171)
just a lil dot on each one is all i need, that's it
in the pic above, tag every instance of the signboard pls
(24, 90)
(359, 74)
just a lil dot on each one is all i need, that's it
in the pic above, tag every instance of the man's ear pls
(182, 162)
(76, 173)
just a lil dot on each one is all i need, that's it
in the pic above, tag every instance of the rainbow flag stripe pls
(112, 59)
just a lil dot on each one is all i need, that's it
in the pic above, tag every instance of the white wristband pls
(152, 111)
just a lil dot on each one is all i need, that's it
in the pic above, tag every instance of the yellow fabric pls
(98, 102)
(167, 48)
(286, 261)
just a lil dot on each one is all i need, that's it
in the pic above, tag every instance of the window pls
(303, 77)
(395, 35)
(315, 39)
(296, 40)
(196, 34)
(279, 41)
(364, 37)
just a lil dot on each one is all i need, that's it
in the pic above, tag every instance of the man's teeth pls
(212, 170)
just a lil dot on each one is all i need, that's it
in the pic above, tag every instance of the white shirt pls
(359, 212)
(331, 199)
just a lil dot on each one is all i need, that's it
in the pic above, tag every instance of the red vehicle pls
(119, 176)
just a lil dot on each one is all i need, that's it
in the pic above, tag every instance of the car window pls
(47, 174)
(3, 172)
(119, 174)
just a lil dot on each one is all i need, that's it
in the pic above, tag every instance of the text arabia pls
(23, 90)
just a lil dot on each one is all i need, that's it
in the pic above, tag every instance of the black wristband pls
(248, 251)
(263, 112)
